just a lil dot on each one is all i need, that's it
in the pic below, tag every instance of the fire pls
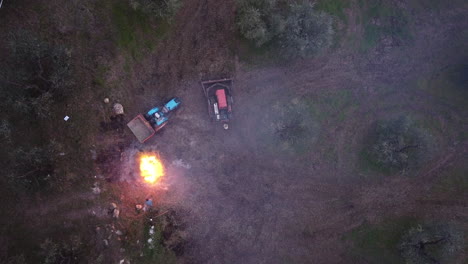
(151, 168)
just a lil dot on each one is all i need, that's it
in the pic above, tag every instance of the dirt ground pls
(241, 195)
(249, 205)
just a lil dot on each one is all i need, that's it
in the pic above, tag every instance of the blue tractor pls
(144, 127)
(158, 116)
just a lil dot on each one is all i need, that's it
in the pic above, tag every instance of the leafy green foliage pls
(334, 7)
(35, 75)
(379, 243)
(382, 19)
(306, 31)
(65, 252)
(404, 240)
(33, 167)
(288, 127)
(296, 30)
(256, 21)
(395, 145)
(431, 243)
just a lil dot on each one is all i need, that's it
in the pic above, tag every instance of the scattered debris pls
(106, 100)
(182, 164)
(139, 207)
(96, 189)
(118, 232)
(66, 118)
(93, 154)
(116, 213)
(118, 109)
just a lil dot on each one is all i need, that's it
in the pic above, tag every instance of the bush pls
(5, 130)
(163, 9)
(33, 168)
(298, 30)
(256, 20)
(306, 31)
(65, 252)
(433, 243)
(34, 75)
(395, 145)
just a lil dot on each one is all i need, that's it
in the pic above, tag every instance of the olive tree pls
(258, 21)
(306, 31)
(33, 167)
(34, 75)
(431, 243)
(395, 144)
(67, 251)
(296, 30)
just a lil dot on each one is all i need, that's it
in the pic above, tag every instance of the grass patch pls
(287, 127)
(448, 84)
(453, 181)
(334, 7)
(255, 56)
(133, 29)
(336, 104)
(382, 19)
(379, 243)
(151, 238)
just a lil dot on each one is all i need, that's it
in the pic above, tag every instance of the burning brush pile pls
(151, 168)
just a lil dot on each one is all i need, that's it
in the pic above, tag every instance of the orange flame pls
(151, 168)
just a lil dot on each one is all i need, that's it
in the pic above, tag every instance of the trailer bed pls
(141, 128)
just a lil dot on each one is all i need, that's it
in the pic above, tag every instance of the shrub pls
(32, 168)
(306, 31)
(257, 21)
(38, 65)
(5, 130)
(164, 9)
(298, 30)
(65, 252)
(395, 144)
(432, 243)
(34, 75)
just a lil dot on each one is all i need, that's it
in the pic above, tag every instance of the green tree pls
(34, 75)
(395, 144)
(258, 21)
(306, 31)
(296, 30)
(431, 243)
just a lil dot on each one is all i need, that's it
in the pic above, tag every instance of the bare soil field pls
(253, 194)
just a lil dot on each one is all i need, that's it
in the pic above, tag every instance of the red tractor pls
(219, 96)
